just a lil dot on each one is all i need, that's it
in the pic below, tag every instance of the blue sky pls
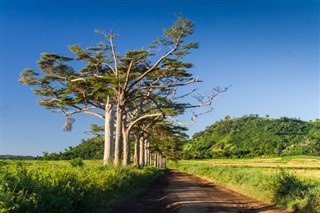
(267, 50)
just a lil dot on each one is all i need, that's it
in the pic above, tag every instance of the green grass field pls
(291, 182)
(303, 166)
(67, 186)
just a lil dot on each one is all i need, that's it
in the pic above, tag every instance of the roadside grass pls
(291, 182)
(68, 186)
(288, 161)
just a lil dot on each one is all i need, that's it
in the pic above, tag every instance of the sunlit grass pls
(304, 166)
(61, 186)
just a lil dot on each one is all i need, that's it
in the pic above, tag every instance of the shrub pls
(77, 162)
(285, 184)
(287, 190)
(313, 201)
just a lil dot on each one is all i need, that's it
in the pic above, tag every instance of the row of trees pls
(136, 93)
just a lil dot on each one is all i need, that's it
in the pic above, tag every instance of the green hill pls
(253, 136)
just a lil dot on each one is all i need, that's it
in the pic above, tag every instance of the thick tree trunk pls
(136, 158)
(126, 145)
(155, 160)
(126, 141)
(117, 147)
(146, 153)
(160, 161)
(108, 134)
(141, 155)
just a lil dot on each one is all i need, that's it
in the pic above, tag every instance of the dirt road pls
(183, 193)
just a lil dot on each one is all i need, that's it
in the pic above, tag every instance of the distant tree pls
(96, 130)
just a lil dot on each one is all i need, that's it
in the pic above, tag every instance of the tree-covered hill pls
(252, 136)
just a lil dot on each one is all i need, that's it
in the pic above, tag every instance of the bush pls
(313, 201)
(284, 184)
(288, 190)
(77, 162)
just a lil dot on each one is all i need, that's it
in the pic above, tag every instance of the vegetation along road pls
(181, 192)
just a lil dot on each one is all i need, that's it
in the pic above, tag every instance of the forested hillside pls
(252, 136)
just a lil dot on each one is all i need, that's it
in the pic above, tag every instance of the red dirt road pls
(184, 193)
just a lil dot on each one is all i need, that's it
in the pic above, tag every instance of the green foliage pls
(96, 130)
(77, 162)
(56, 187)
(140, 83)
(252, 136)
(89, 149)
(288, 190)
(16, 157)
(168, 140)
(107, 75)
(313, 201)
(273, 185)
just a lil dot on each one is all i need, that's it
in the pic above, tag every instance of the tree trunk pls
(108, 134)
(126, 148)
(141, 155)
(146, 153)
(117, 147)
(155, 160)
(162, 162)
(136, 158)
(126, 141)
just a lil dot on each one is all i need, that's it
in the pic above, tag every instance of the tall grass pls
(67, 187)
(268, 184)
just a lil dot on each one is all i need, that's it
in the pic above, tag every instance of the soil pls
(179, 192)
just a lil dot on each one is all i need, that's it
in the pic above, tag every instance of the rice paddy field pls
(302, 166)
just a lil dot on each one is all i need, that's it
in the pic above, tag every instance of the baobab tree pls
(110, 85)
(163, 141)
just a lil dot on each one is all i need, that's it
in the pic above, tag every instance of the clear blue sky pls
(267, 50)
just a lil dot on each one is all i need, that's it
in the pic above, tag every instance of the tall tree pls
(110, 86)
